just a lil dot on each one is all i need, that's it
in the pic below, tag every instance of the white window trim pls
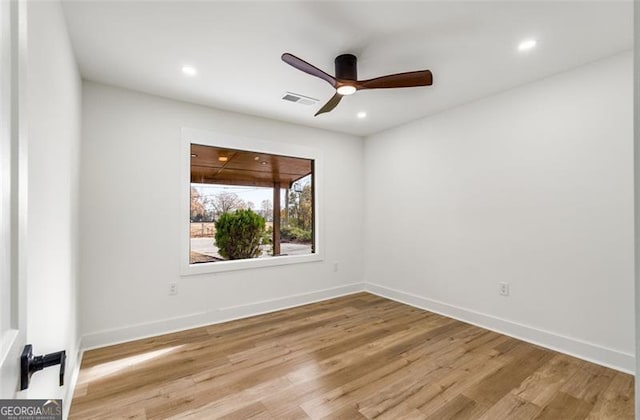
(211, 138)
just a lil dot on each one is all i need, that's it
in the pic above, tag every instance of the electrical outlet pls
(173, 289)
(503, 288)
(335, 267)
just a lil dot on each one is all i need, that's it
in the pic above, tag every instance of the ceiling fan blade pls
(302, 65)
(333, 102)
(398, 80)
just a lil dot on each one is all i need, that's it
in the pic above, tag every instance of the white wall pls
(533, 187)
(53, 131)
(130, 219)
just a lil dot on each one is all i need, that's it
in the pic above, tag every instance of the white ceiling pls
(471, 48)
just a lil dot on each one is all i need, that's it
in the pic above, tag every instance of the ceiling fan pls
(346, 79)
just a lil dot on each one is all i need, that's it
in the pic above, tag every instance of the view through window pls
(247, 204)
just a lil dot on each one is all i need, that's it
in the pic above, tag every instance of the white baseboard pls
(166, 326)
(595, 353)
(614, 359)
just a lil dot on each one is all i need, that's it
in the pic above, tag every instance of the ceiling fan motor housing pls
(346, 67)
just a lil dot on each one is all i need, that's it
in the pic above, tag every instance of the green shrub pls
(239, 234)
(294, 234)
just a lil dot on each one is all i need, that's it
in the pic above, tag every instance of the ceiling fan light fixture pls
(346, 90)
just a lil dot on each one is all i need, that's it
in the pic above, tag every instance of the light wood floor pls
(354, 357)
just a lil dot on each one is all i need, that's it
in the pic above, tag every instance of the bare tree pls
(198, 202)
(225, 202)
(266, 210)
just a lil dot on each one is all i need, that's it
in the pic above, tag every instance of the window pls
(248, 206)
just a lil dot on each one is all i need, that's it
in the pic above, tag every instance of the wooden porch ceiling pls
(213, 165)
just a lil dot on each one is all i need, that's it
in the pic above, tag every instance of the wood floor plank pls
(252, 410)
(287, 412)
(459, 408)
(465, 371)
(511, 407)
(415, 379)
(345, 413)
(617, 401)
(565, 406)
(542, 386)
(494, 387)
(589, 383)
(357, 356)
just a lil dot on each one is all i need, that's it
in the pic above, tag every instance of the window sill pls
(249, 264)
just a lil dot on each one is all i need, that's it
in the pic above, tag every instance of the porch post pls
(276, 218)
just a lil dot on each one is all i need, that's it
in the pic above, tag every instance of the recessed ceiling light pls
(256, 158)
(223, 158)
(346, 90)
(189, 70)
(361, 114)
(193, 155)
(264, 162)
(527, 44)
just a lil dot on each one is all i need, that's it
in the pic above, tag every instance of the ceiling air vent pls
(299, 99)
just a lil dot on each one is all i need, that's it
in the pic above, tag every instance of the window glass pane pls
(249, 205)
(296, 232)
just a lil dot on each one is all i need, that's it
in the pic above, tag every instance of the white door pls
(12, 195)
